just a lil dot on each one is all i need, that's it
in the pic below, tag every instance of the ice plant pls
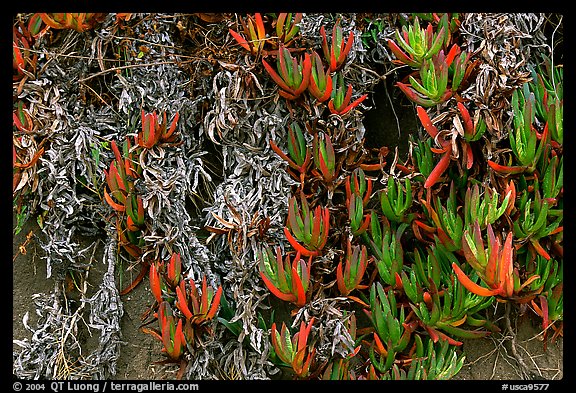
(459, 67)
(485, 210)
(155, 131)
(443, 314)
(389, 255)
(339, 103)
(174, 270)
(494, 265)
(254, 34)
(118, 178)
(450, 21)
(336, 53)
(287, 281)
(121, 175)
(554, 122)
(532, 222)
(357, 183)
(299, 155)
(293, 75)
(198, 308)
(446, 220)
(551, 310)
(424, 277)
(445, 149)
(165, 277)
(309, 227)
(416, 44)
(287, 26)
(77, 21)
(359, 222)
(547, 86)
(131, 241)
(35, 25)
(324, 156)
(549, 305)
(23, 61)
(226, 317)
(434, 361)
(172, 333)
(392, 332)
(123, 198)
(552, 178)
(523, 138)
(349, 277)
(320, 85)
(134, 208)
(156, 282)
(396, 201)
(422, 159)
(469, 130)
(339, 370)
(294, 351)
(21, 118)
(432, 88)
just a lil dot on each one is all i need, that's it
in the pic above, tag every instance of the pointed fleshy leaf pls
(114, 205)
(471, 285)
(401, 56)
(215, 304)
(297, 246)
(438, 170)
(300, 295)
(414, 96)
(426, 122)
(289, 297)
(274, 75)
(182, 303)
(155, 285)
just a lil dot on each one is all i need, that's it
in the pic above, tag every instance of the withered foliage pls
(217, 192)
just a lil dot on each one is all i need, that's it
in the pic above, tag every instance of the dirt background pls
(486, 359)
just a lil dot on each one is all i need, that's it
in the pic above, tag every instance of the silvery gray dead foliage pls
(53, 352)
(44, 106)
(62, 203)
(236, 363)
(329, 328)
(221, 358)
(255, 186)
(67, 172)
(106, 311)
(70, 177)
(171, 174)
(53, 346)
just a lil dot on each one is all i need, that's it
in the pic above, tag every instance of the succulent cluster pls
(409, 254)
(295, 76)
(444, 239)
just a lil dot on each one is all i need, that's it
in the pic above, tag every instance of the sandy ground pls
(486, 359)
